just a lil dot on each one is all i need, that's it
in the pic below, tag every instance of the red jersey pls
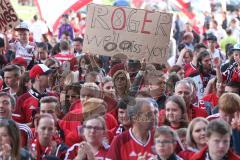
(73, 150)
(188, 153)
(197, 112)
(189, 69)
(70, 123)
(203, 156)
(232, 73)
(26, 134)
(54, 148)
(26, 104)
(63, 57)
(212, 98)
(126, 146)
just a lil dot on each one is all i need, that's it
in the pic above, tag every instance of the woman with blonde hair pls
(196, 137)
(121, 83)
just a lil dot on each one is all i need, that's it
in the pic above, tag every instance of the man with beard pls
(139, 138)
(204, 74)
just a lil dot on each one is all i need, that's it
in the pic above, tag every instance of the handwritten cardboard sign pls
(134, 32)
(8, 16)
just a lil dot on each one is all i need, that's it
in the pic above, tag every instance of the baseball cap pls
(39, 69)
(22, 26)
(19, 61)
(211, 37)
(236, 47)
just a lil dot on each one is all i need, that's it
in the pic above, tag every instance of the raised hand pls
(236, 121)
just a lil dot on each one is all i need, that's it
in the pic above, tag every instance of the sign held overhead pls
(8, 16)
(136, 33)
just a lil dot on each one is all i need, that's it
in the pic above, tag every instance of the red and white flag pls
(52, 10)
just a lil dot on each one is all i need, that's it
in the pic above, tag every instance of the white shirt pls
(26, 52)
(38, 28)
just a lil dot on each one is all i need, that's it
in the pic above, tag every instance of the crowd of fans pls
(57, 102)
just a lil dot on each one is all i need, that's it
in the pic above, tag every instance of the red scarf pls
(38, 152)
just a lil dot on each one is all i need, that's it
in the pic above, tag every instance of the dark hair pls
(12, 99)
(165, 130)
(173, 78)
(200, 57)
(14, 134)
(215, 22)
(182, 105)
(228, 31)
(175, 68)
(78, 39)
(76, 87)
(229, 49)
(23, 80)
(66, 33)
(125, 101)
(233, 84)
(198, 46)
(2, 44)
(51, 61)
(12, 68)
(35, 17)
(56, 49)
(179, 101)
(43, 46)
(49, 99)
(218, 126)
(65, 16)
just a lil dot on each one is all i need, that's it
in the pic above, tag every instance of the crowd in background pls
(57, 102)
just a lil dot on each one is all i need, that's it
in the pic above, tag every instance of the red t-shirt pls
(72, 120)
(61, 57)
(198, 112)
(186, 154)
(26, 104)
(125, 147)
(189, 69)
(73, 150)
(212, 98)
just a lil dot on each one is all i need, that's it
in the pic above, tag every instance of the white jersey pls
(26, 52)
